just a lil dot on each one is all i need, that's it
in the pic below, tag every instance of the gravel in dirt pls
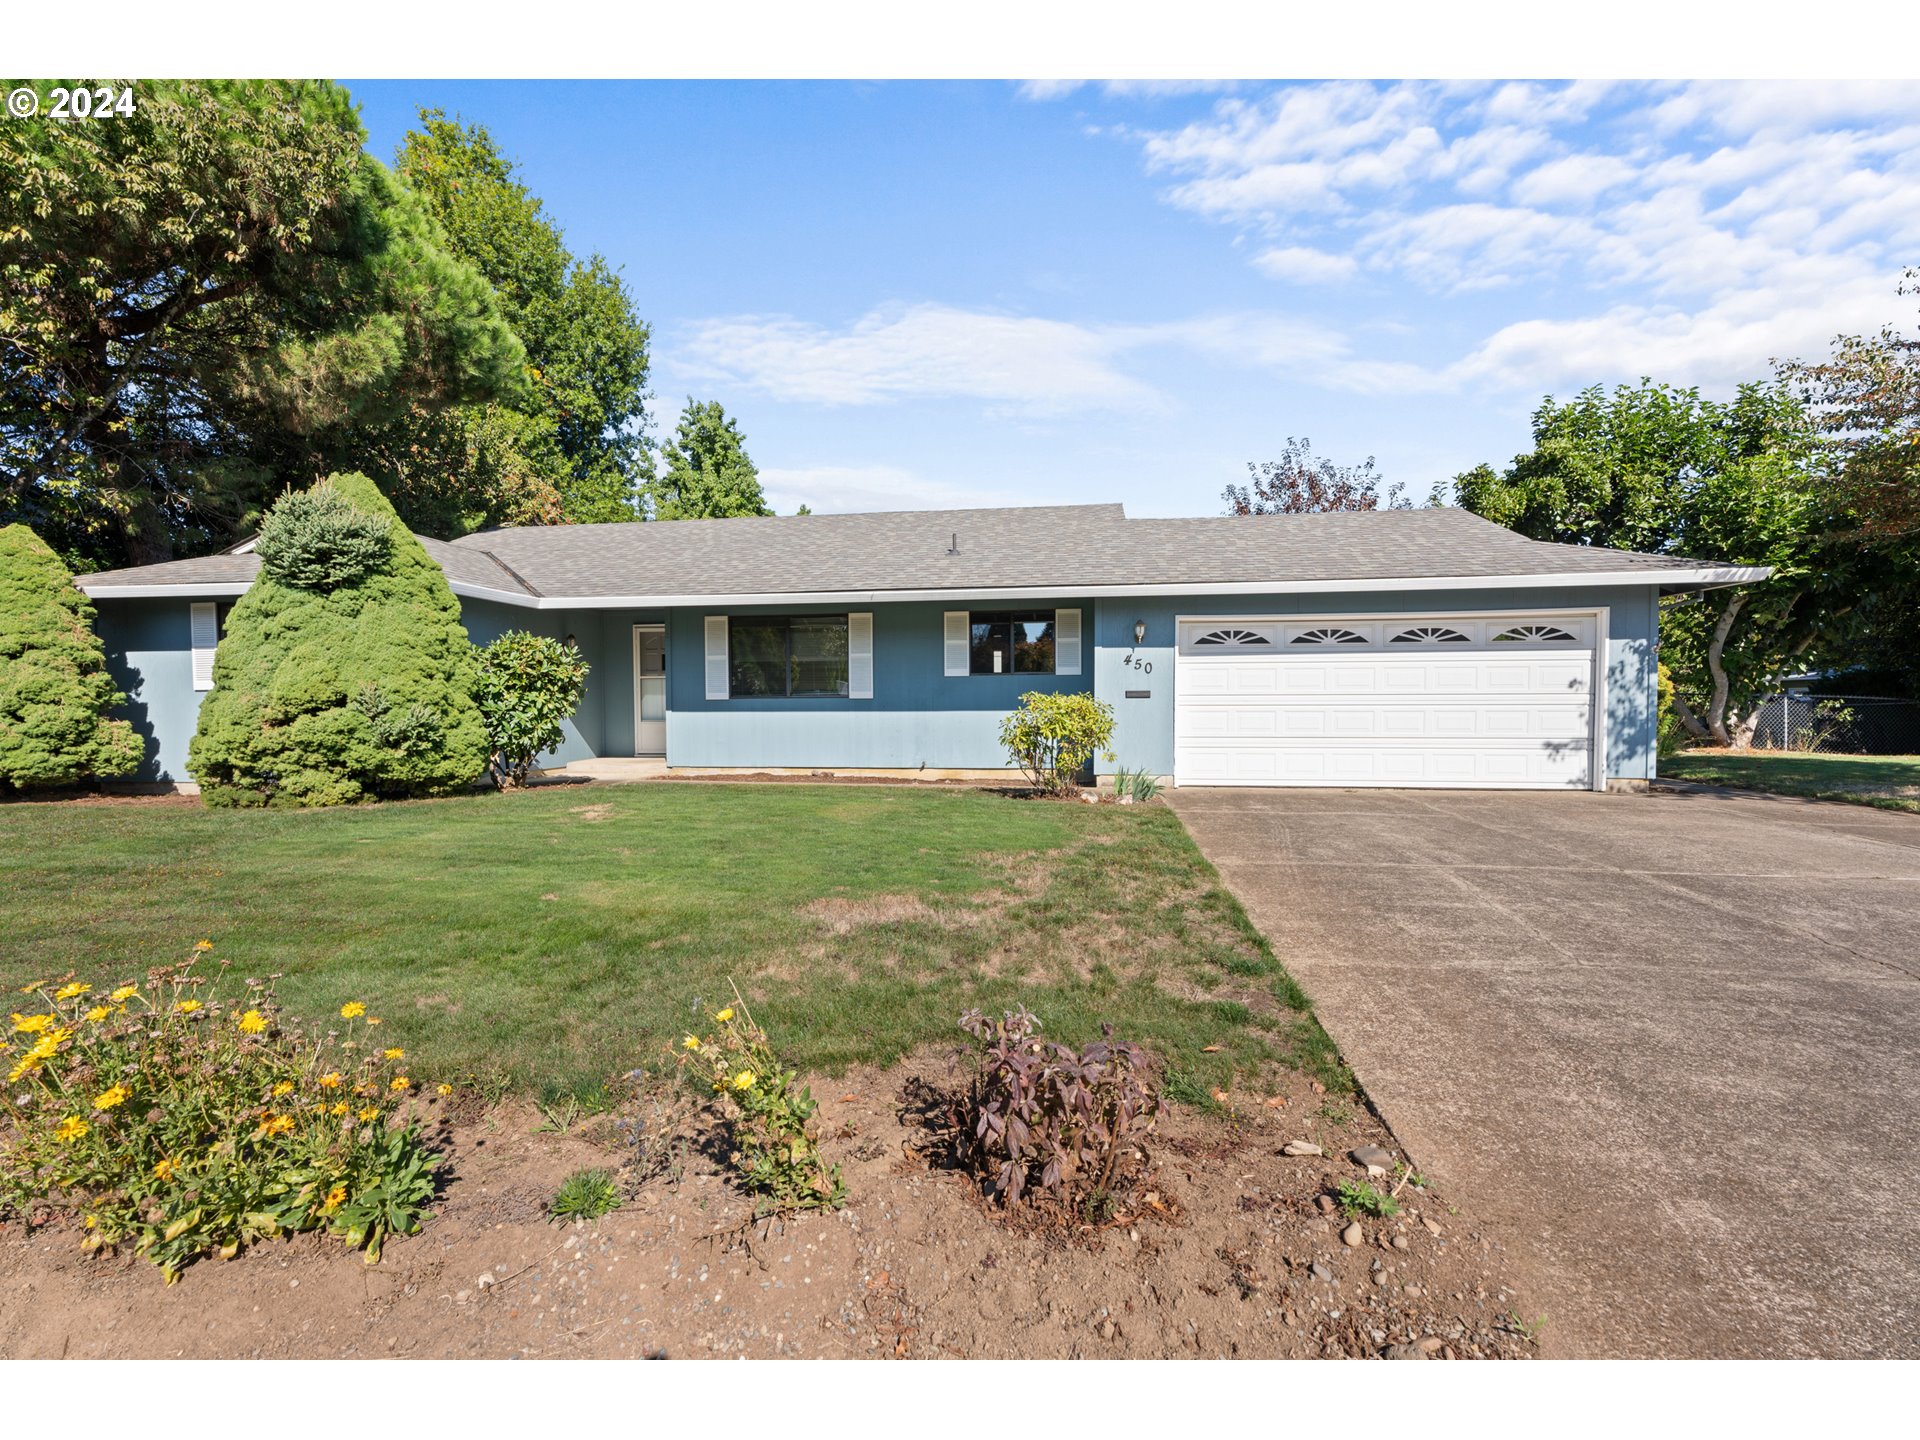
(918, 1265)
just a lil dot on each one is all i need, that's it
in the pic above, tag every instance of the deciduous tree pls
(1302, 483)
(708, 475)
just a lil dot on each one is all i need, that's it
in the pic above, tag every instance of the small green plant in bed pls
(185, 1115)
(585, 1195)
(776, 1155)
(1357, 1198)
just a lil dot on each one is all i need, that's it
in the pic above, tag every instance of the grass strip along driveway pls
(563, 935)
(1891, 782)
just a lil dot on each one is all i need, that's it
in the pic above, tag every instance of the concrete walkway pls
(1668, 1045)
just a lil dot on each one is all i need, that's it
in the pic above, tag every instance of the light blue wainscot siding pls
(1143, 737)
(919, 716)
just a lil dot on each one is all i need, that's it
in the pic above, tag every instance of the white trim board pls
(1702, 575)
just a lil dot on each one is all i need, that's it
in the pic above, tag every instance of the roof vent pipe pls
(953, 546)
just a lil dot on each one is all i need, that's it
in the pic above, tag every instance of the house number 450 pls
(1134, 662)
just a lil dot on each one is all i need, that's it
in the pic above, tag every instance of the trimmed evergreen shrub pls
(527, 685)
(328, 693)
(54, 688)
(315, 540)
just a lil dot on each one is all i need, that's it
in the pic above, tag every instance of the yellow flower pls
(394, 1054)
(400, 1082)
(370, 1114)
(331, 1080)
(99, 1013)
(743, 1081)
(725, 1015)
(692, 1042)
(186, 1007)
(283, 1087)
(352, 1009)
(124, 994)
(31, 1024)
(443, 1089)
(165, 1170)
(252, 1023)
(44, 1047)
(67, 992)
(70, 1129)
(336, 1197)
(26, 1065)
(203, 945)
(89, 1223)
(339, 1108)
(277, 1125)
(111, 1096)
(373, 1019)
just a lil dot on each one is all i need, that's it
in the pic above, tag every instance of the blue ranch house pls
(1391, 648)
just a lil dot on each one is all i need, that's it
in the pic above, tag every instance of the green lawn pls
(1889, 781)
(566, 933)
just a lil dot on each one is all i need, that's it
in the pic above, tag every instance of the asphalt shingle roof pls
(1063, 548)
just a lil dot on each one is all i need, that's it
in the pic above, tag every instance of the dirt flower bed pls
(1244, 1261)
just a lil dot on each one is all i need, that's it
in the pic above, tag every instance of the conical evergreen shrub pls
(54, 688)
(345, 672)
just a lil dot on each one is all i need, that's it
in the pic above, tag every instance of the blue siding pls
(1144, 735)
(149, 646)
(918, 716)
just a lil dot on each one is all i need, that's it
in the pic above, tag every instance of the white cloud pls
(1044, 90)
(1691, 230)
(1303, 265)
(1020, 362)
(1573, 178)
(846, 489)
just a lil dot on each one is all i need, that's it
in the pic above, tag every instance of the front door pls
(649, 689)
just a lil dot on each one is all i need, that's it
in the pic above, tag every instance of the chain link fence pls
(1838, 724)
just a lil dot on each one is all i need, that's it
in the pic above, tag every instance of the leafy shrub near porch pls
(185, 1116)
(775, 1155)
(1043, 1117)
(1052, 737)
(352, 683)
(525, 687)
(54, 687)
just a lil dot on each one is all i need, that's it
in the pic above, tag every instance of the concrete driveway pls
(1667, 1046)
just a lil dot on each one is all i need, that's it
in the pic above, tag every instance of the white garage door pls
(1468, 701)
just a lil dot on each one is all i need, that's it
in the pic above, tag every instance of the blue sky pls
(916, 294)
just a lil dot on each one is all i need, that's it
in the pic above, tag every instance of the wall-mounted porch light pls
(1139, 632)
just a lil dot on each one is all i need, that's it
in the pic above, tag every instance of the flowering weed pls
(184, 1121)
(775, 1154)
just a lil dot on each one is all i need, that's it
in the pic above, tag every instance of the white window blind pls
(1066, 642)
(716, 657)
(206, 635)
(958, 637)
(860, 656)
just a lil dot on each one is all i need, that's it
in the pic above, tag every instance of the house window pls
(1011, 642)
(787, 655)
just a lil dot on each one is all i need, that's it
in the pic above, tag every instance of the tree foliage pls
(1303, 483)
(1865, 399)
(54, 688)
(573, 445)
(327, 694)
(316, 540)
(525, 686)
(708, 475)
(209, 298)
(1660, 470)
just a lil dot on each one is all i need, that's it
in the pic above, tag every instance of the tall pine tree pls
(708, 475)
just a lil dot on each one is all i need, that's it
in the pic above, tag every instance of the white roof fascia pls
(1699, 575)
